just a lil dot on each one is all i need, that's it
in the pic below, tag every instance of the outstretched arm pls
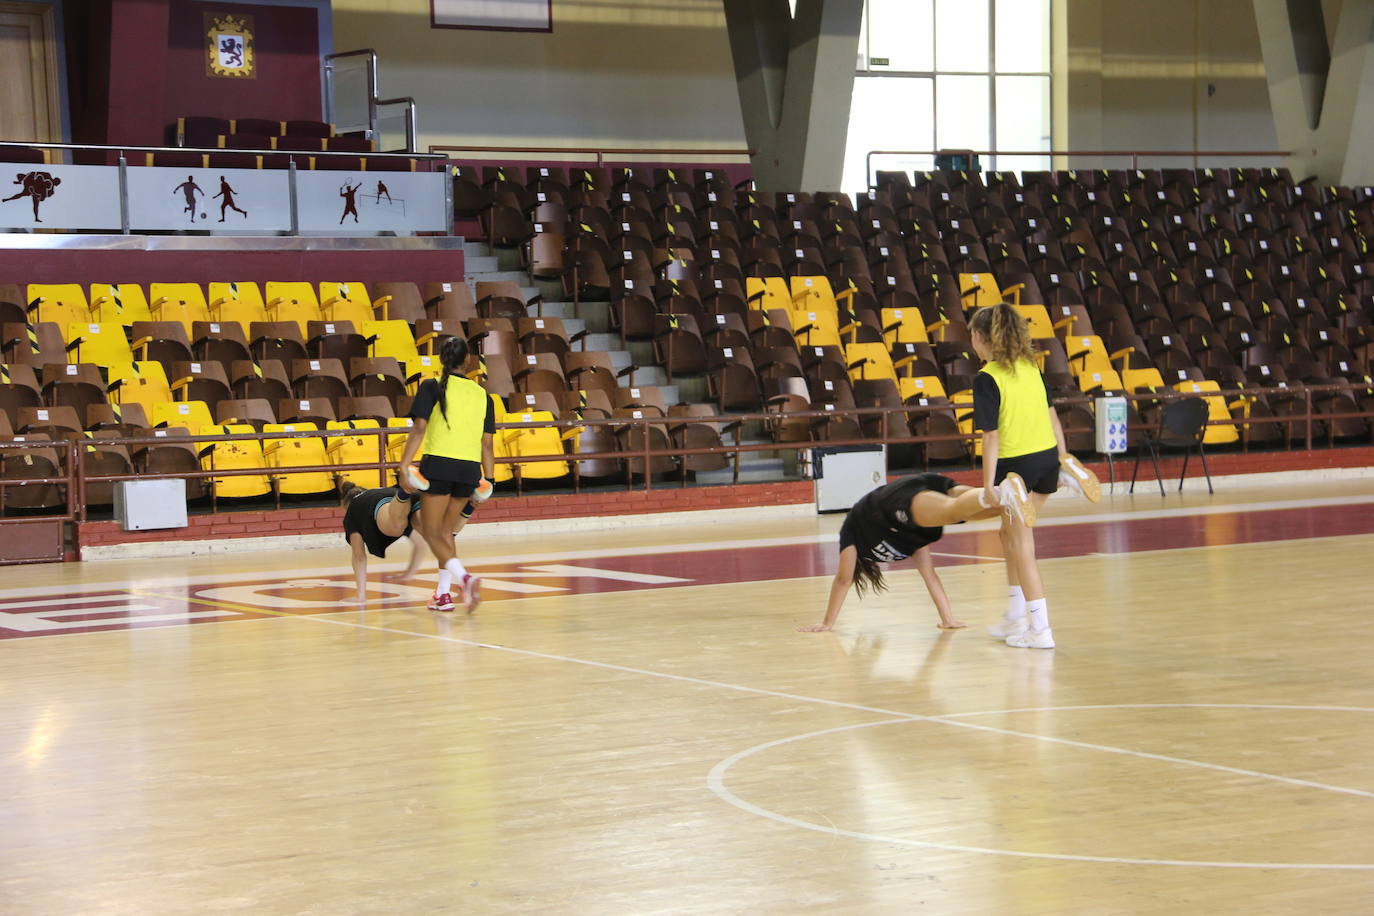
(359, 565)
(1058, 433)
(839, 588)
(925, 565)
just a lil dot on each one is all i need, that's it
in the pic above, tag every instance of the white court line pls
(715, 781)
(119, 595)
(650, 550)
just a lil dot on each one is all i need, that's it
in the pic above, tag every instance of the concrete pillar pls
(1321, 85)
(796, 77)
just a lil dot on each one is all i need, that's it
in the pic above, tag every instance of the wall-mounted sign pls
(498, 15)
(229, 46)
(60, 197)
(239, 199)
(345, 202)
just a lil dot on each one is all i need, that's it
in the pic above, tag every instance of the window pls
(950, 74)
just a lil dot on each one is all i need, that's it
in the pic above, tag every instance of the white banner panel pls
(167, 198)
(518, 15)
(59, 197)
(371, 201)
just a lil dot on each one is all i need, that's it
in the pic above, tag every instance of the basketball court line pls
(652, 549)
(715, 780)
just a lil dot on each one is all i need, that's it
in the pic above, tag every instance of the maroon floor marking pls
(702, 566)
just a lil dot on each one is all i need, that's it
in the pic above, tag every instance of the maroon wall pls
(147, 68)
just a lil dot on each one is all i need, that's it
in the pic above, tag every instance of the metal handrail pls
(76, 480)
(374, 99)
(1134, 155)
(108, 147)
(599, 151)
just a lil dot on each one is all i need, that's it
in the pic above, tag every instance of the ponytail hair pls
(868, 575)
(349, 492)
(452, 355)
(1007, 333)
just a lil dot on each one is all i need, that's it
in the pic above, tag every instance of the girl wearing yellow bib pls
(1024, 453)
(454, 423)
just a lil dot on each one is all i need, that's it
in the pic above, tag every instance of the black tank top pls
(361, 517)
(880, 525)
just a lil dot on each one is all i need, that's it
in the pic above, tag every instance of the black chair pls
(1182, 424)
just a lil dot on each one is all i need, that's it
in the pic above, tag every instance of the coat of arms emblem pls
(229, 46)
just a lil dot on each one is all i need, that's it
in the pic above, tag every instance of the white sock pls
(1016, 602)
(1039, 612)
(445, 582)
(455, 568)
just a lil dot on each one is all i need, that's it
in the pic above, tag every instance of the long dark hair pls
(453, 355)
(868, 574)
(349, 492)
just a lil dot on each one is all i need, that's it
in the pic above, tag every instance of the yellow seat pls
(533, 442)
(1132, 379)
(355, 450)
(235, 456)
(394, 338)
(183, 302)
(61, 303)
(241, 302)
(816, 329)
(396, 442)
(293, 302)
(1040, 326)
(813, 294)
(963, 415)
(875, 361)
(1107, 380)
(1216, 410)
(980, 289)
(305, 451)
(347, 302)
(502, 442)
(189, 415)
(421, 368)
(120, 303)
(920, 386)
(102, 344)
(903, 326)
(773, 293)
(142, 383)
(1087, 354)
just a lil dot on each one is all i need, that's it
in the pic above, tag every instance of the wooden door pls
(28, 73)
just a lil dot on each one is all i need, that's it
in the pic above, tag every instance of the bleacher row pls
(291, 357)
(1133, 281)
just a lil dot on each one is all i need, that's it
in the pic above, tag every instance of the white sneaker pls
(1032, 639)
(1009, 627)
(1016, 500)
(1079, 479)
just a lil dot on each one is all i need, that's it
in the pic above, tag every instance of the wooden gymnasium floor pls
(631, 724)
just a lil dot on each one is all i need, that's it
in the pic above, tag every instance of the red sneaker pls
(472, 591)
(442, 602)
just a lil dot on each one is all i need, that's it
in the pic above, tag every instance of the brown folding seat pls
(267, 380)
(631, 438)
(160, 341)
(29, 463)
(255, 412)
(494, 338)
(319, 378)
(592, 370)
(74, 385)
(13, 308)
(469, 197)
(431, 333)
(278, 340)
(173, 452)
(377, 376)
(34, 345)
(19, 388)
(585, 403)
(547, 335)
(120, 418)
(647, 398)
(678, 346)
(400, 301)
(539, 372)
(732, 380)
(505, 223)
(697, 426)
(496, 378)
(633, 313)
(369, 408)
(530, 401)
(503, 299)
(199, 381)
(53, 422)
(104, 459)
(317, 410)
(334, 340)
(220, 342)
(450, 300)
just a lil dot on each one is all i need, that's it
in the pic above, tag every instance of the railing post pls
(648, 471)
(123, 194)
(1307, 396)
(291, 194)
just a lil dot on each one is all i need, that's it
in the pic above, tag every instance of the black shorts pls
(450, 476)
(1040, 470)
